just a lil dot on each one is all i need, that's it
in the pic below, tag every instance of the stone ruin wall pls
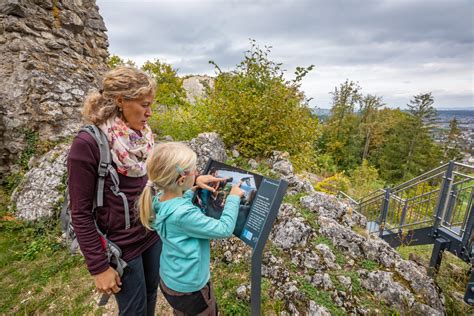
(52, 53)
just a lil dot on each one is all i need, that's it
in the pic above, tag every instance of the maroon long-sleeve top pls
(82, 164)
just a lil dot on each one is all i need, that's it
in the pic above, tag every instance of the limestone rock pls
(384, 287)
(41, 189)
(317, 310)
(281, 165)
(322, 280)
(196, 86)
(46, 48)
(290, 231)
(12, 7)
(208, 145)
(329, 206)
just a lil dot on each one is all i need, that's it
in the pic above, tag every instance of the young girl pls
(184, 229)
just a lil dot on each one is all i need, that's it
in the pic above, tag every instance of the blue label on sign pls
(247, 234)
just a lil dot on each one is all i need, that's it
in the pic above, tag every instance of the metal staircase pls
(436, 207)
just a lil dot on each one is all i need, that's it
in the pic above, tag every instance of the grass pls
(38, 276)
(293, 199)
(310, 217)
(369, 265)
(321, 297)
(228, 277)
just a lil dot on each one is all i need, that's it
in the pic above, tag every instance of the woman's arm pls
(82, 177)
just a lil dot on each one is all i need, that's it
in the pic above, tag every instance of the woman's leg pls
(151, 269)
(131, 299)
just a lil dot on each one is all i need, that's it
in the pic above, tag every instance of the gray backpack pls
(114, 253)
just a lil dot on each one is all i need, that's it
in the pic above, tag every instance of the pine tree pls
(340, 136)
(369, 107)
(452, 146)
(423, 115)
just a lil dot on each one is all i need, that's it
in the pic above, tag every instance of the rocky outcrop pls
(208, 146)
(196, 87)
(281, 165)
(42, 188)
(53, 53)
(402, 285)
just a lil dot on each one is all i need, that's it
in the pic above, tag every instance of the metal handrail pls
(420, 176)
(463, 165)
(347, 197)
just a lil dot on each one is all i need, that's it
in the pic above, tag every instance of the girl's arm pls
(198, 225)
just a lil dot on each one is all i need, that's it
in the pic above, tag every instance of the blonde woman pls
(120, 110)
(166, 206)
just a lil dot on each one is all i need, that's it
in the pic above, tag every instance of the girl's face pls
(189, 179)
(136, 112)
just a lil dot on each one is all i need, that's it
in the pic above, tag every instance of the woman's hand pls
(108, 282)
(203, 182)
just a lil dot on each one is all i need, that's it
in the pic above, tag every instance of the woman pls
(121, 110)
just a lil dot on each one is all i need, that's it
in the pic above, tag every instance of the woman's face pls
(136, 112)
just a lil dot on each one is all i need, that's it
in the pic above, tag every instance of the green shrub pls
(338, 182)
(255, 109)
(364, 180)
(181, 123)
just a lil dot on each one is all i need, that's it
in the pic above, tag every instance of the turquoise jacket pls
(185, 231)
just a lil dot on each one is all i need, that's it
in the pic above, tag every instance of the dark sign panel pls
(259, 211)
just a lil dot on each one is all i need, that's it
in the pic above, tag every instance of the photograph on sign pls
(213, 202)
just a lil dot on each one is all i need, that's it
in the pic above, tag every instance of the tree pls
(174, 115)
(169, 87)
(114, 61)
(364, 180)
(340, 135)
(423, 112)
(396, 141)
(452, 148)
(369, 106)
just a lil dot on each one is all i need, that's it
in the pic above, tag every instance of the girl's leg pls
(196, 303)
(151, 268)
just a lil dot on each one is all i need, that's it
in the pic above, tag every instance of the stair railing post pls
(403, 217)
(384, 211)
(444, 194)
(467, 238)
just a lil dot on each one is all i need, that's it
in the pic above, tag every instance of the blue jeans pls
(140, 283)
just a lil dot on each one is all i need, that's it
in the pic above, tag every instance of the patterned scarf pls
(129, 150)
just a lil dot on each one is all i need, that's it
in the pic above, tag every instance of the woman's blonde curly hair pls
(123, 81)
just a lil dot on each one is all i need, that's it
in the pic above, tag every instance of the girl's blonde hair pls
(123, 81)
(164, 165)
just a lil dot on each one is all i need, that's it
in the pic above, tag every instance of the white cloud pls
(394, 48)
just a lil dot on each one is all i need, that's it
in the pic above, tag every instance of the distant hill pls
(456, 113)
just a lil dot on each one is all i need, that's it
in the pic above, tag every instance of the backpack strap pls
(105, 168)
(116, 190)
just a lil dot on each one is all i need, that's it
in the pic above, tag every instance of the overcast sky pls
(392, 48)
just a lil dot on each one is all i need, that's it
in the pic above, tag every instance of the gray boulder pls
(206, 146)
(42, 187)
(280, 164)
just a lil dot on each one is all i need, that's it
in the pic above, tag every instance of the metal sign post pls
(259, 223)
